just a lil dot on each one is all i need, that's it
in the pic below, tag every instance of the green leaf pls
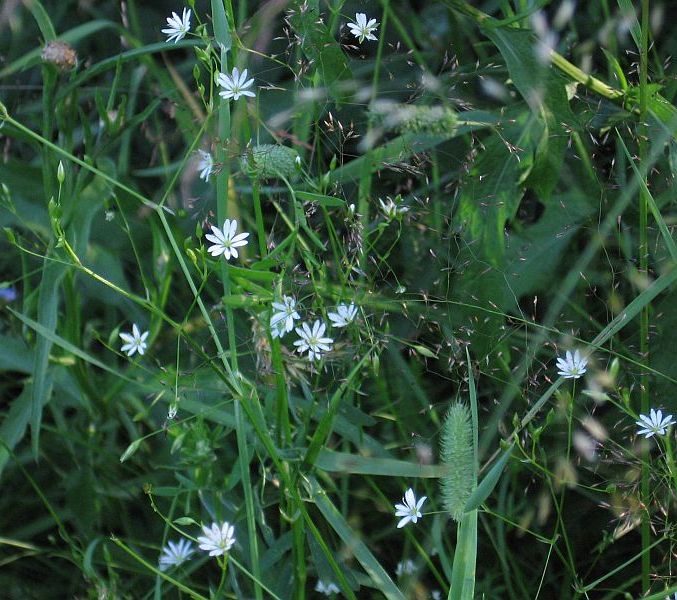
(662, 226)
(131, 450)
(185, 521)
(423, 351)
(465, 559)
(344, 462)
(221, 30)
(14, 423)
(408, 144)
(43, 20)
(48, 302)
(53, 338)
(321, 199)
(545, 92)
(629, 15)
(372, 567)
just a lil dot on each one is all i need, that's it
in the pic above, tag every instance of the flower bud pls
(60, 54)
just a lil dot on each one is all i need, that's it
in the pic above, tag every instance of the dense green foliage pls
(491, 184)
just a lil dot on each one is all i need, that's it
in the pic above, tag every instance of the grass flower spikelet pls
(457, 455)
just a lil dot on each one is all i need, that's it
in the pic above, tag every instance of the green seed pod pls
(268, 161)
(457, 456)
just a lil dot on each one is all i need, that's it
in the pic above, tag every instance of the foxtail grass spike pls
(457, 455)
(268, 161)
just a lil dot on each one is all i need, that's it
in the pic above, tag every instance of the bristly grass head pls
(457, 455)
(268, 161)
(413, 118)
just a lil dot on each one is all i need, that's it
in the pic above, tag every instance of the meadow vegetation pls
(333, 298)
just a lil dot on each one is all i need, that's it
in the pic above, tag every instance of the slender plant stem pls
(260, 231)
(364, 190)
(644, 316)
(222, 182)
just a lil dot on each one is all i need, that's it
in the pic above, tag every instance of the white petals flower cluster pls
(217, 539)
(654, 423)
(178, 27)
(405, 567)
(312, 337)
(174, 554)
(134, 342)
(313, 340)
(205, 165)
(572, 366)
(363, 29)
(344, 315)
(235, 85)
(326, 587)
(225, 241)
(282, 320)
(391, 210)
(410, 509)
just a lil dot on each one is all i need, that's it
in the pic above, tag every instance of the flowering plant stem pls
(365, 177)
(260, 231)
(223, 38)
(643, 269)
(223, 563)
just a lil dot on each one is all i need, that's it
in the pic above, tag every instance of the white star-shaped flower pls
(225, 241)
(572, 366)
(363, 29)
(134, 342)
(217, 540)
(178, 26)
(654, 424)
(392, 210)
(313, 340)
(410, 509)
(344, 315)
(282, 320)
(235, 84)
(326, 588)
(205, 164)
(405, 567)
(174, 554)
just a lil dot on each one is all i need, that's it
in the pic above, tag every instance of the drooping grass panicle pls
(457, 455)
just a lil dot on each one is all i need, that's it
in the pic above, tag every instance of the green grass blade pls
(43, 20)
(53, 338)
(465, 558)
(48, 304)
(343, 462)
(489, 481)
(372, 567)
(665, 232)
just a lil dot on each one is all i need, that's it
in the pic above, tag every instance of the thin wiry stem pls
(644, 316)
